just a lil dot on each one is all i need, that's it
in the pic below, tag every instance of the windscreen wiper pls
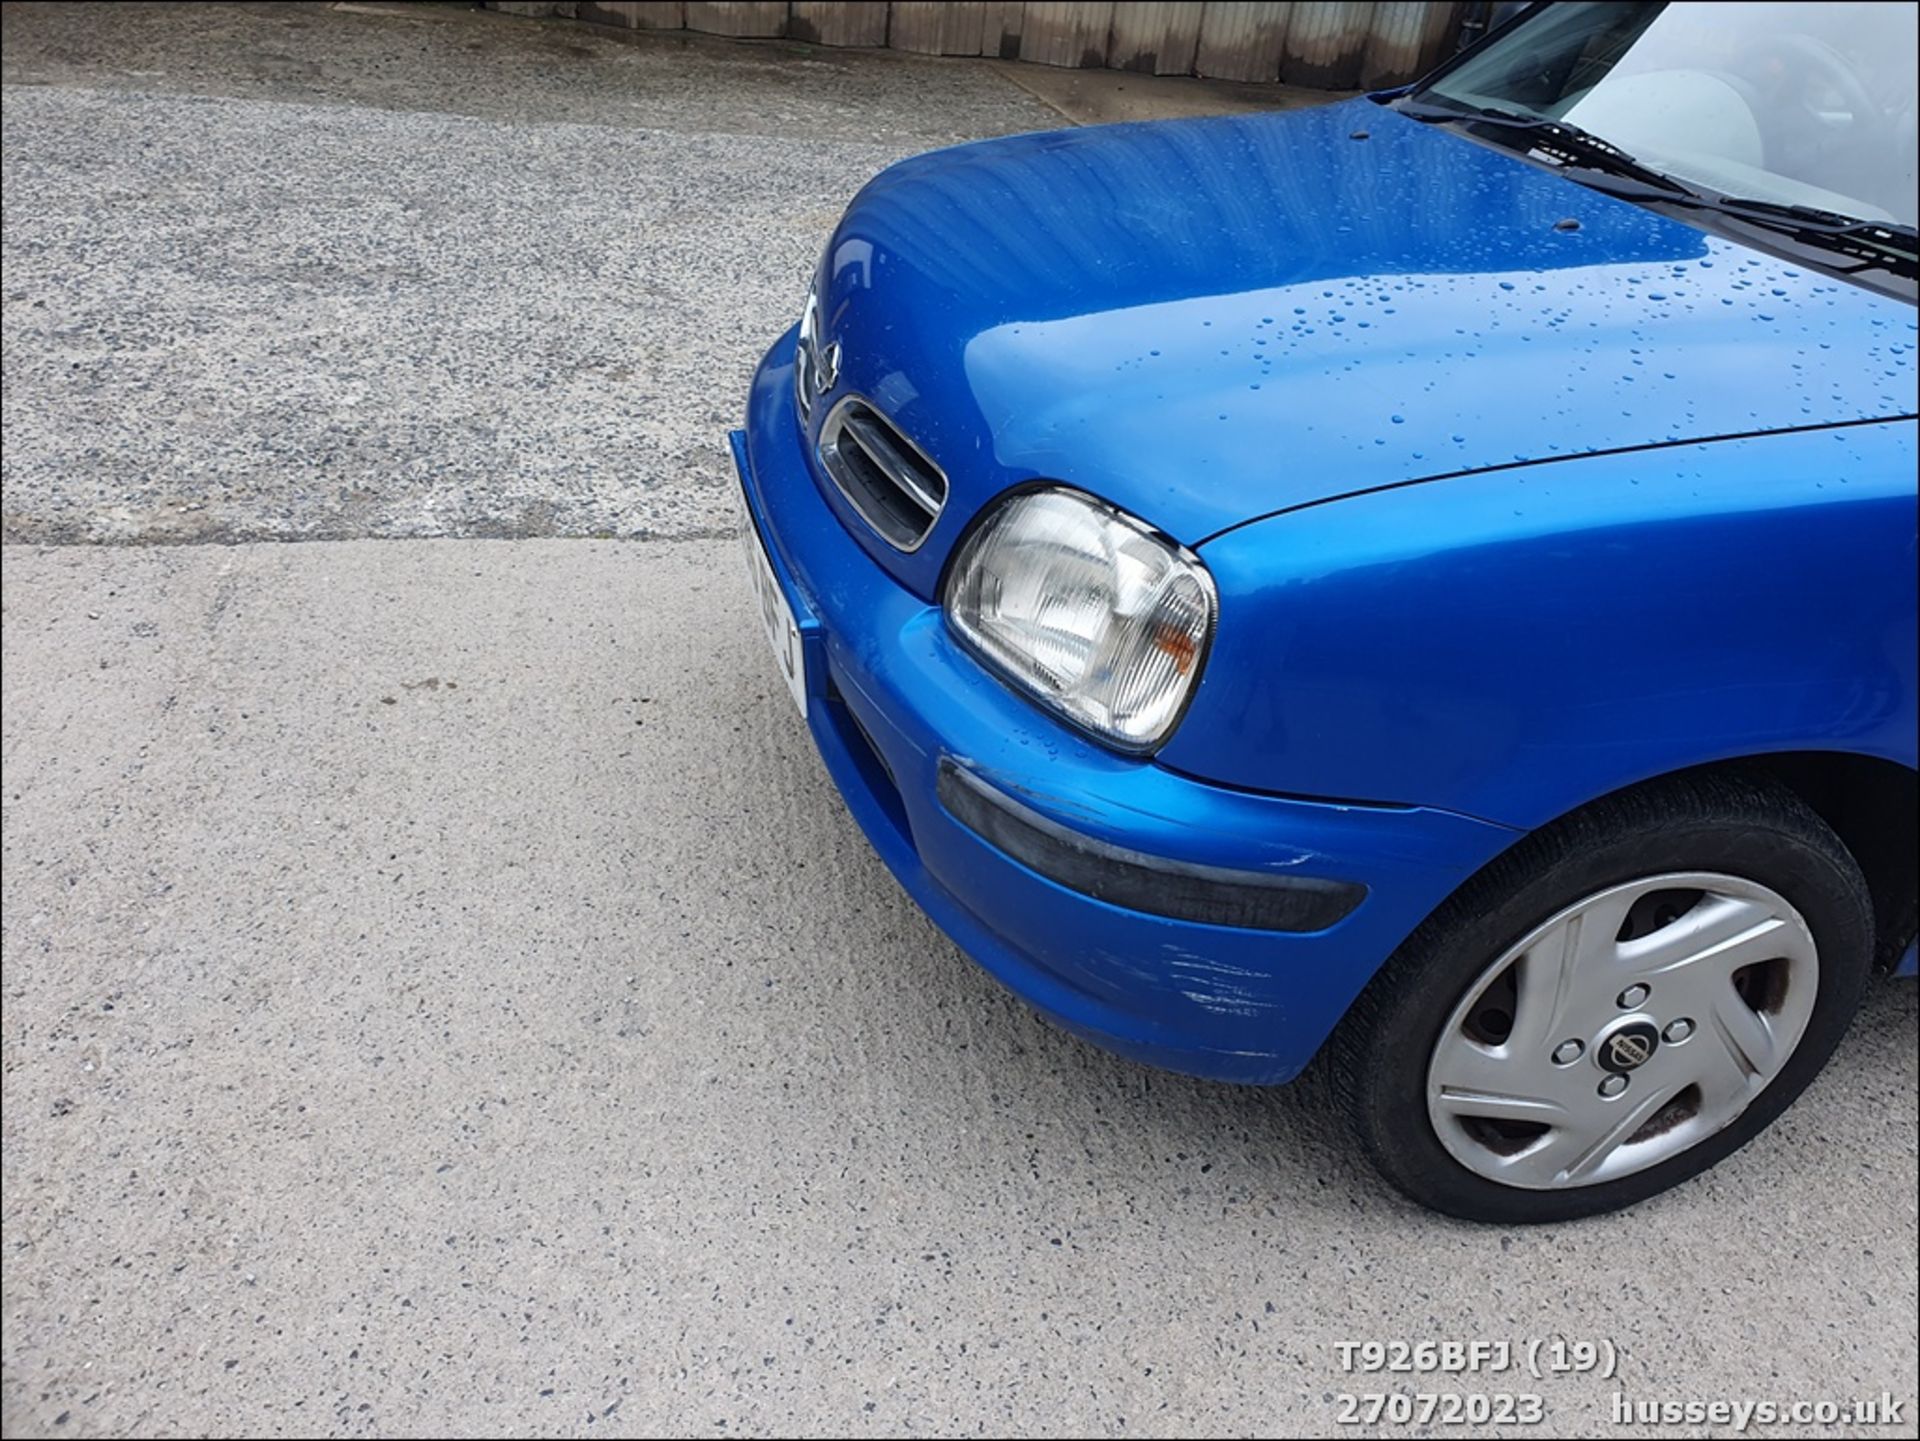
(1812, 220)
(1870, 244)
(1561, 142)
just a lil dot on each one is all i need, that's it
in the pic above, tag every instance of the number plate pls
(776, 615)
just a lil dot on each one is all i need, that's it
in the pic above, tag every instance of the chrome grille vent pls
(883, 475)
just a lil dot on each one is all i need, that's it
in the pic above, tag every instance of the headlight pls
(1088, 611)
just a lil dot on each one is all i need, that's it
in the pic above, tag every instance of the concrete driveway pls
(443, 993)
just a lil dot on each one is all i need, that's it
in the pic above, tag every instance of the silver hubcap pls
(1629, 1027)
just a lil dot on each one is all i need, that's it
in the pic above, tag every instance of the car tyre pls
(1408, 1031)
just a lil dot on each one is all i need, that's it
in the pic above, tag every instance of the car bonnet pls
(1210, 321)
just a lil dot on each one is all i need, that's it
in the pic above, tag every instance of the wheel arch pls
(1872, 804)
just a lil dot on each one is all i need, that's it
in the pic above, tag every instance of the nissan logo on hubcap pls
(1628, 1048)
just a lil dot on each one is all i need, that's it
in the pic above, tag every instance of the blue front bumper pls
(891, 695)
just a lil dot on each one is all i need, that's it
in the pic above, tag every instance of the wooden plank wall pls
(838, 24)
(1156, 39)
(1326, 44)
(1241, 42)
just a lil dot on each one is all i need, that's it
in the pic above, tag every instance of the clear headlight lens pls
(1087, 610)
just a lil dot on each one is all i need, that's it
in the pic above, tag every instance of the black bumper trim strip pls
(1180, 890)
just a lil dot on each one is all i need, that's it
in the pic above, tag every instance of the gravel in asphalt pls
(260, 285)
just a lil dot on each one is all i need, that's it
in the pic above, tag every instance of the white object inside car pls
(1643, 114)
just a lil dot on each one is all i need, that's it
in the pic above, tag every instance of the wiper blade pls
(1810, 220)
(1869, 244)
(1872, 244)
(1604, 166)
(1566, 144)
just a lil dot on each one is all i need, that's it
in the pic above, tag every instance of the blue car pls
(1426, 582)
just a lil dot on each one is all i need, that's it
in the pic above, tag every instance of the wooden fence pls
(1333, 46)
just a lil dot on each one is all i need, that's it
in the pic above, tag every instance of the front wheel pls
(1613, 1007)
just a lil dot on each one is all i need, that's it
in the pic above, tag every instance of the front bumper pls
(893, 700)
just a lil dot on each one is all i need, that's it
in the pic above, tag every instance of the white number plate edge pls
(776, 615)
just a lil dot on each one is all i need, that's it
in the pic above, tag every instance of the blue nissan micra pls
(1428, 580)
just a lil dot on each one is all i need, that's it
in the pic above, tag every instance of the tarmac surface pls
(442, 992)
